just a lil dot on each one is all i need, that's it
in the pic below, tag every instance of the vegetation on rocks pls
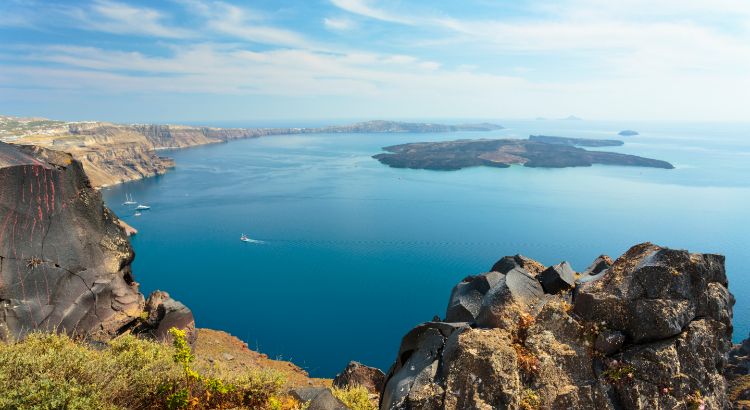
(48, 371)
(356, 398)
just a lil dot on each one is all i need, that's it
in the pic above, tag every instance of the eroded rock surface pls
(64, 259)
(357, 374)
(652, 331)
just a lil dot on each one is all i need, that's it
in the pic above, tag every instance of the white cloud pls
(244, 24)
(341, 24)
(119, 18)
(363, 8)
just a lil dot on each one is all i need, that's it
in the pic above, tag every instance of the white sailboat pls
(129, 200)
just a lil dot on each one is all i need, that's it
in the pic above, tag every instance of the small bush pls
(619, 372)
(48, 371)
(530, 400)
(356, 398)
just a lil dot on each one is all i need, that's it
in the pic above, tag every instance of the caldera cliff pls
(65, 258)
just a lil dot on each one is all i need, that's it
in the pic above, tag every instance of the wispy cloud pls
(244, 24)
(340, 24)
(120, 18)
(681, 58)
(363, 8)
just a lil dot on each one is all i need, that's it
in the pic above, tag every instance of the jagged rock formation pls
(738, 375)
(651, 331)
(64, 259)
(357, 374)
(317, 398)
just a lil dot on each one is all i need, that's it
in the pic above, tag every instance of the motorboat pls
(142, 208)
(244, 238)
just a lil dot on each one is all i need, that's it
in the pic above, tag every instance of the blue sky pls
(196, 60)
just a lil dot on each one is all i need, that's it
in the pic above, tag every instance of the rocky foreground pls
(651, 330)
(115, 153)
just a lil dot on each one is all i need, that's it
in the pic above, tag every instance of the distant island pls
(627, 133)
(580, 142)
(414, 127)
(572, 118)
(502, 153)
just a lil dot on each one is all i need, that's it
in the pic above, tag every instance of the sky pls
(205, 60)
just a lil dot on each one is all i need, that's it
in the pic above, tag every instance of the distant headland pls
(628, 133)
(538, 152)
(115, 153)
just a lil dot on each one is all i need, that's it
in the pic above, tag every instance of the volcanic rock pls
(515, 287)
(357, 374)
(558, 278)
(609, 341)
(164, 313)
(317, 398)
(652, 333)
(507, 263)
(599, 265)
(64, 259)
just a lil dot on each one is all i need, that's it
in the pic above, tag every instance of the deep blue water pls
(356, 253)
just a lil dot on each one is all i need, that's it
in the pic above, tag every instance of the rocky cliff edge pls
(64, 259)
(650, 330)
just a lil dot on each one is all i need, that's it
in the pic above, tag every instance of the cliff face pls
(652, 331)
(64, 259)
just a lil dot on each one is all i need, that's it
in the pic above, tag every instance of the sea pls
(348, 254)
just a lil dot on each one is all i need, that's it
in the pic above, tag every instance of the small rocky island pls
(537, 151)
(628, 133)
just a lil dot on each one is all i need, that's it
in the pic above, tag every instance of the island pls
(627, 133)
(580, 142)
(502, 153)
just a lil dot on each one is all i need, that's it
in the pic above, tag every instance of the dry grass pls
(356, 398)
(46, 371)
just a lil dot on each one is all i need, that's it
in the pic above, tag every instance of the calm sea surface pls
(354, 253)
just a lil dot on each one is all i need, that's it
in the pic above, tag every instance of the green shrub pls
(49, 372)
(356, 398)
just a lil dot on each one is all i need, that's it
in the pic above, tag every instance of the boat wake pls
(245, 238)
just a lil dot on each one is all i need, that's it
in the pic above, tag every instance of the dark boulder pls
(317, 398)
(357, 374)
(413, 374)
(558, 278)
(652, 293)
(164, 313)
(600, 264)
(609, 341)
(508, 263)
(466, 297)
(515, 287)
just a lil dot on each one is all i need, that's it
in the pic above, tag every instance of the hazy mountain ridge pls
(115, 153)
